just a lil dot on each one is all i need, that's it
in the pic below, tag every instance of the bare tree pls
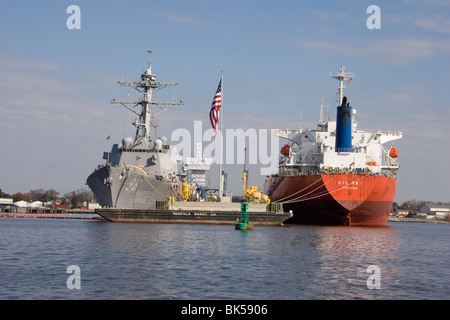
(413, 206)
(78, 197)
(37, 194)
(52, 194)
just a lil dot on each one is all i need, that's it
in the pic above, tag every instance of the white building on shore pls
(22, 204)
(439, 211)
(6, 201)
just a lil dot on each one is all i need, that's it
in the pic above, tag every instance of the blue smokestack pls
(344, 127)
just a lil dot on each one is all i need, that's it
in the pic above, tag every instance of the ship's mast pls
(321, 112)
(148, 78)
(147, 86)
(341, 76)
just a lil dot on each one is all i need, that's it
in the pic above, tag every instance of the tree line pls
(414, 206)
(75, 198)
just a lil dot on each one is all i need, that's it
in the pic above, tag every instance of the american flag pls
(215, 108)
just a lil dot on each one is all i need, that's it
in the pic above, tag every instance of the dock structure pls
(16, 209)
(218, 213)
(69, 216)
(48, 213)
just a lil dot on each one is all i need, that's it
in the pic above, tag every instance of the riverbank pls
(395, 219)
(76, 216)
(29, 210)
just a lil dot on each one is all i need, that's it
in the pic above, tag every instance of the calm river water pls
(171, 261)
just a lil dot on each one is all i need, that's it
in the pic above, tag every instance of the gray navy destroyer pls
(142, 170)
(145, 179)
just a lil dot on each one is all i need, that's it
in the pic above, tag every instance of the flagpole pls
(109, 147)
(221, 142)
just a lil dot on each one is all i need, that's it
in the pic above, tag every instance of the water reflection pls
(344, 254)
(150, 261)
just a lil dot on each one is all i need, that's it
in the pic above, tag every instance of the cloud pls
(406, 51)
(49, 124)
(392, 51)
(437, 22)
(415, 109)
(428, 3)
(42, 65)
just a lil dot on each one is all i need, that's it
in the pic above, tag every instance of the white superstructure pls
(197, 169)
(313, 151)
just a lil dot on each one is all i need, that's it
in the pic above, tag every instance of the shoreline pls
(419, 220)
(76, 216)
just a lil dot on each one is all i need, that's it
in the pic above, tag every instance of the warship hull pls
(127, 187)
(334, 199)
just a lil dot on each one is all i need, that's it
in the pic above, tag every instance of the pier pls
(48, 213)
(15, 209)
(70, 216)
(423, 220)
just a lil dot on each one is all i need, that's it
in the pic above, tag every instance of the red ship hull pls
(334, 199)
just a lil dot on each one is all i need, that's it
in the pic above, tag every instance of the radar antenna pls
(341, 76)
(147, 86)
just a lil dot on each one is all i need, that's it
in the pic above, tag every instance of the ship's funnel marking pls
(344, 127)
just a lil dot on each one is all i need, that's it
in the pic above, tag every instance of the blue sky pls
(56, 84)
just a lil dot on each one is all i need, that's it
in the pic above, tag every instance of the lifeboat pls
(393, 153)
(285, 150)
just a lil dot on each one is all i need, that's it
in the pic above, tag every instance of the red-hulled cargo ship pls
(336, 174)
(336, 199)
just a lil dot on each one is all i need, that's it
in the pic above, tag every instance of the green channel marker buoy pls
(243, 223)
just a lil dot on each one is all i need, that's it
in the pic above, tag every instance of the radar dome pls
(158, 144)
(127, 142)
